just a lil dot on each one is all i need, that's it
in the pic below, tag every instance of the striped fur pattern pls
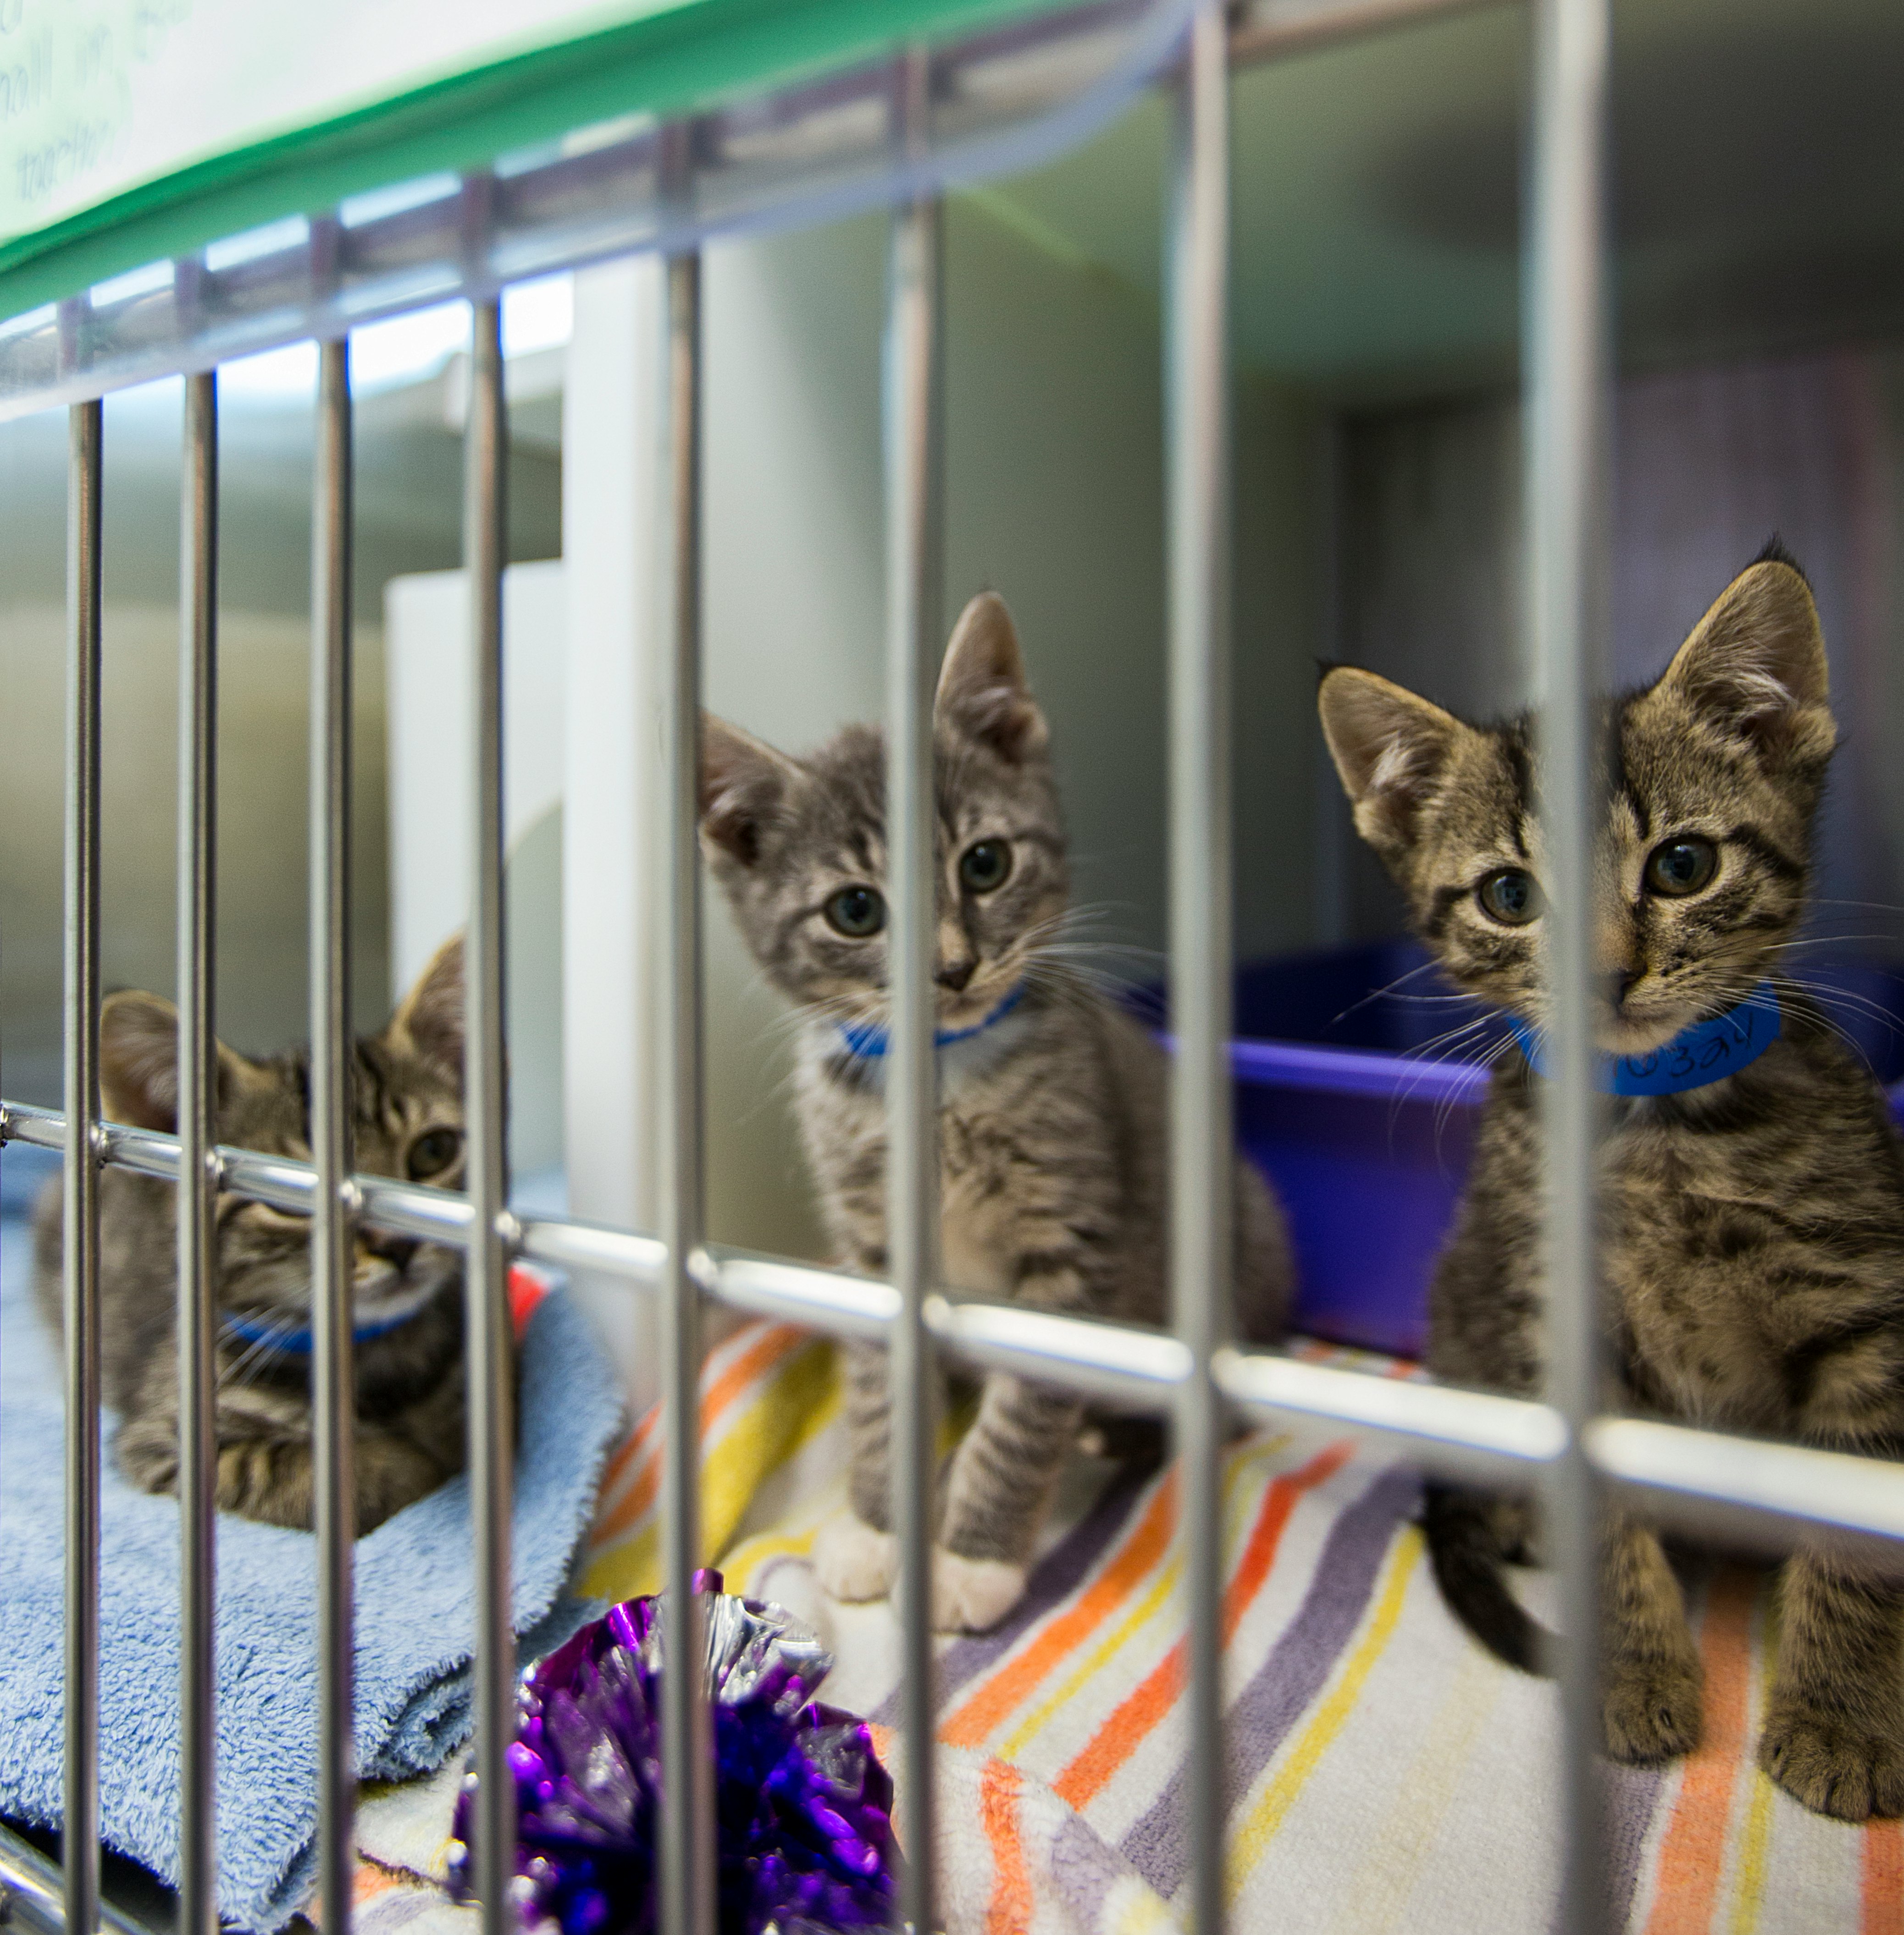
(1752, 1231)
(410, 1381)
(1052, 1119)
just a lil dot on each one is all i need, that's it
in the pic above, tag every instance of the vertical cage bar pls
(197, 1128)
(80, 1229)
(1566, 523)
(1196, 399)
(687, 1749)
(913, 409)
(334, 1236)
(485, 1109)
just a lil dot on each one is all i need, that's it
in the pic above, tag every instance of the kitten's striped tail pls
(1464, 1549)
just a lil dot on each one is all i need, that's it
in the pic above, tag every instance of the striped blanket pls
(1384, 1773)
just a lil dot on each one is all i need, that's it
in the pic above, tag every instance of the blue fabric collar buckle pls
(298, 1343)
(1707, 1052)
(868, 1042)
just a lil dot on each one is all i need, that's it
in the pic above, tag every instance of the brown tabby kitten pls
(409, 1374)
(1752, 1229)
(1052, 1113)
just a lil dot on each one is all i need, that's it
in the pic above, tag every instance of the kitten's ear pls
(982, 687)
(744, 782)
(139, 1062)
(429, 1019)
(1755, 666)
(1391, 748)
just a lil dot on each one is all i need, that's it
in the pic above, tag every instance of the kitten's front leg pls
(1001, 1479)
(1834, 1736)
(1650, 1689)
(269, 1474)
(262, 1470)
(1001, 1476)
(854, 1555)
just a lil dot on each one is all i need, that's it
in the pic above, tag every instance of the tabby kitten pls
(1053, 1115)
(1752, 1226)
(409, 1295)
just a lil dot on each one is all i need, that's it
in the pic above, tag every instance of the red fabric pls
(527, 1288)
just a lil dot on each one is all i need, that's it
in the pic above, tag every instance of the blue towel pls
(415, 1616)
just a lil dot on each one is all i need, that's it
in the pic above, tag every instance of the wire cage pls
(962, 103)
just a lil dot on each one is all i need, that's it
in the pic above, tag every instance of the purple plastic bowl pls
(1368, 1144)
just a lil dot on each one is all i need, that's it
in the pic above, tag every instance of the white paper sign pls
(99, 96)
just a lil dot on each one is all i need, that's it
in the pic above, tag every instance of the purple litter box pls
(1367, 1137)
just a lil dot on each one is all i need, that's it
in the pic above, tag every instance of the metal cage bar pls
(687, 1867)
(1443, 1428)
(198, 1164)
(1566, 404)
(913, 387)
(1196, 402)
(333, 1111)
(485, 1108)
(80, 1209)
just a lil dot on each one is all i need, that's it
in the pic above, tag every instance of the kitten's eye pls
(1510, 897)
(985, 865)
(857, 912)
(1681, 867)
(430, 1155)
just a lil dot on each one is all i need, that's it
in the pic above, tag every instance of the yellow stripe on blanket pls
(793, 1403)
(1279, 1796)
(1749, 1882)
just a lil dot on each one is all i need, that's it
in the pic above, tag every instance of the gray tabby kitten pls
(1752, 1228)
(409, 1295)
(1052, 1114)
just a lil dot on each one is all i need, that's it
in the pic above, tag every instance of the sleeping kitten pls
(409, 1295)
(1751, 1225)
(1053, 1115)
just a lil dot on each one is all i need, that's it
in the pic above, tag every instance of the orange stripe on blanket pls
(997, 1696)
(1694, 1851)
(1882, 1880)
(368, 1882)
(1009, 1911)
(619, 1459)
(1140, 1712)
(778, 1343)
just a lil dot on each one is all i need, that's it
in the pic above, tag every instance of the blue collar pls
(298, 1343)
(1704, 1053)
(867, 1042)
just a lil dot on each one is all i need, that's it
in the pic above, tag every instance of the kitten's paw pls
(852, 1561)
(973, 1594)
(1835, 1763)
(1650, 1709)
(147, 1451)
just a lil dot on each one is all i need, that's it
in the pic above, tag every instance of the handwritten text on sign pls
(100, 96)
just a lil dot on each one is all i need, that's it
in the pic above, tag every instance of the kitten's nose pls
(954, 974)
(397, 1250)
(1620, 983)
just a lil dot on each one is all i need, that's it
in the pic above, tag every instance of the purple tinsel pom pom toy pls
(804, 1809)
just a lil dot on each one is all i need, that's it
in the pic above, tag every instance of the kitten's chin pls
(388, 1296)
(1624, 1034)
(976, 1005)
(956, 1017)
(1629, 1033)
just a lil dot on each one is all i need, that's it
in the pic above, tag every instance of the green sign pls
(100, 96)
(133, 130)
